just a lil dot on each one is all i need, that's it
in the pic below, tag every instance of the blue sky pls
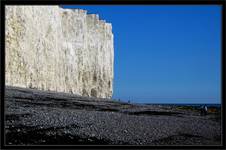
(165, 53)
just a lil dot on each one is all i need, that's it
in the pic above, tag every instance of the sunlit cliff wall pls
(56, 49)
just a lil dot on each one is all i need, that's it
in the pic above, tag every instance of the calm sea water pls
(193, 105)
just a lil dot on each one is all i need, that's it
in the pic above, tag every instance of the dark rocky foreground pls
(35, 117)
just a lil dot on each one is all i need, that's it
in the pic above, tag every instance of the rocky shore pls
(35, 117)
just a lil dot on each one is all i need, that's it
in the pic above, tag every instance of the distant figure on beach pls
(203, 110)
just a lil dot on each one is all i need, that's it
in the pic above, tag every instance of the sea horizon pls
(185, 104)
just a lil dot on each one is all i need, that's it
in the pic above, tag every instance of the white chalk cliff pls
(56, 49)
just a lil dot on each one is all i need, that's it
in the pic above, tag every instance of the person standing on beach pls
(203, 110)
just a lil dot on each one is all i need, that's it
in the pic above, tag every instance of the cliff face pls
(56, 49)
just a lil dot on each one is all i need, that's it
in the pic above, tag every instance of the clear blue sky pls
(165, 53)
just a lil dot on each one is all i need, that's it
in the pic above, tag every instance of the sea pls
(193, 105)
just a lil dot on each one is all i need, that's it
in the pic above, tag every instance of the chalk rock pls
(56, 49)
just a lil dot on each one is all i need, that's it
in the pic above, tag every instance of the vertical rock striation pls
(56, 49)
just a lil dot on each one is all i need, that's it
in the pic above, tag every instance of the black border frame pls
(113, 2)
